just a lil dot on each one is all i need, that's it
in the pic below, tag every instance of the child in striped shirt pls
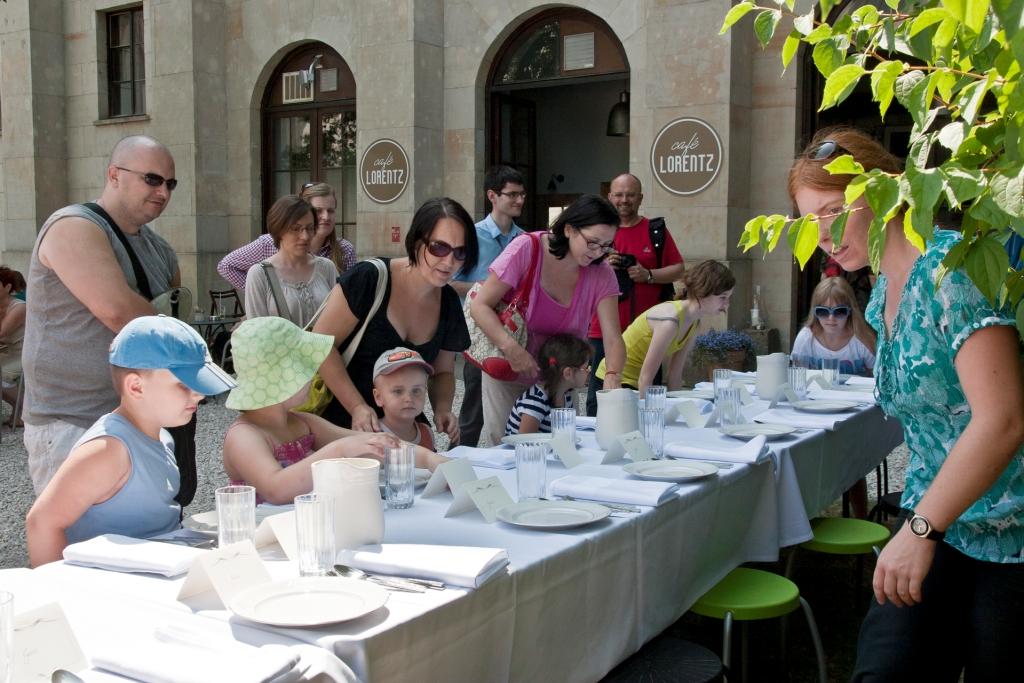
(564, 367)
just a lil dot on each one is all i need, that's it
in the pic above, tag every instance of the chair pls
(19, 397)
(751, 595)
(222, 299)
(843, 536)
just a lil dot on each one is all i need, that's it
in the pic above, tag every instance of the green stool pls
(751, 595)
(843, 536)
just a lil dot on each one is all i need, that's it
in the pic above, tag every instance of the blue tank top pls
(145, 505)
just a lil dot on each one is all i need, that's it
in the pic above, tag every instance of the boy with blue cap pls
(121, 476)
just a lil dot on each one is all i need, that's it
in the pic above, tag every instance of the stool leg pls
(790, 561)
(726, 645)
(819, 651)
(744, 658)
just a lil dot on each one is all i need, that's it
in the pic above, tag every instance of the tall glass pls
(400, 476)
(6, 636)
(531, 470)
(564, 420)
(729, 406)
(652, 425)
(655, 397)
(797, 377)
(830, 370)
(722, 379)
(314, 533)
(236, 514)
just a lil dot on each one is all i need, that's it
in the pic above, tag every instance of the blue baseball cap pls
(158, 342)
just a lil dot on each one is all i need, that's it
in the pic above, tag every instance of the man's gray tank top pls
(65, 351)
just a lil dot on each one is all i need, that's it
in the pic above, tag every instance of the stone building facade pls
(424, 76)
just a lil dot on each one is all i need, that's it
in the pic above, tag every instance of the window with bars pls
(126, 64)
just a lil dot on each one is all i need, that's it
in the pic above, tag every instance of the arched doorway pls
(309, 129)
(551, 87)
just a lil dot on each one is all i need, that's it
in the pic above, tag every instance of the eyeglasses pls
(834, 311)
(825, 150)
(584, 368)
(513, 195)
(153, 179)
(594, 245)
(441, 249)
(299, 229)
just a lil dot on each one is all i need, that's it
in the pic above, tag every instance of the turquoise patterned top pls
(917, 383)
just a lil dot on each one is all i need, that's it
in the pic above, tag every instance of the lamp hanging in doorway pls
(618, 117)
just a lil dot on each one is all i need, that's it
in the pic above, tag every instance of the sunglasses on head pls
(834, 311)
(441, 249)
(152, 179)
(826, 150)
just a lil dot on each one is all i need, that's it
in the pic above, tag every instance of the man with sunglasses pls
(505, 190)
(94, 268)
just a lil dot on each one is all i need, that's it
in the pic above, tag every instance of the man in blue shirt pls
(505, 190)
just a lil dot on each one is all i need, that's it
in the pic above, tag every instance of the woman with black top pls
(419, 311)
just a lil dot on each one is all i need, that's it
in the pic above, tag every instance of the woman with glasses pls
(836, 330)
(571, 284)
(420, 311)
(293, 282)
(949, 585)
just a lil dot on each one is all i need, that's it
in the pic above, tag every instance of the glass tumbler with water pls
(6, 636)
(236, 514)
(400, 476)
(314, 534)
(798, 381)
(531, 470)
(729, 406)
(722, 379)
(652, 425)
(830, 370)
(564, 420)
(655, 397)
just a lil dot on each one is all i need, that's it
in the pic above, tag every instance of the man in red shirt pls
(643, 272)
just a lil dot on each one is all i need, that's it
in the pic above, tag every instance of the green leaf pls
(806, 239)
(876, 241)
(911, 233)
(920, 149)
(944, 82)
(944, 34)
(893, 4)
(827, 57)
(789, 48)
(917, 104)
(883, 80)
(840, 84)
(951, 136)
(971, 97)
(974, 14)
(925, 188)
(735, 14)
(804, 23)
(774, 226)
(928, 17)
(986, 264)
(905, 85)
(883, 195)
(838, 227)
(844, 165)
(965, 184)
(1011, 15)
(855, 188)
(1008, 191)
(764, 25)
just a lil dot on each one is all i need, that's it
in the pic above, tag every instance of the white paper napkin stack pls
(495, 458)
(124, 554)
(703, 444)
(866, 396)
(605, 490)
(788, 416)
(463, 566)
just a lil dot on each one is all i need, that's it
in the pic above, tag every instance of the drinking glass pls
(721, 379)
(531, 470)
(655, 397)
(564, 420)
(400, 476)
(652, 425)
(6, 636)
(830, 370)
(236, 514)
(729, 406)
(797, 377)
(314, 533)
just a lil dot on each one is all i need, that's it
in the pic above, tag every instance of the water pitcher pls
(616, 414)
(358, 511)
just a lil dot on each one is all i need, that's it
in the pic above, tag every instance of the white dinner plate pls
(552, 514)
(536, 437)
(206, 522)
(671, 470)
(746, 432)
(308, 601)
(823, 406)
(706, 394)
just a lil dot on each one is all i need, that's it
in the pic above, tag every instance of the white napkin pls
(706, 444)
(495, 458)
(867, 396)
(857, 380)
(173, 654)
(586, 423)
(605, 490)
(124, 554)
(463, 566)
(788, 416)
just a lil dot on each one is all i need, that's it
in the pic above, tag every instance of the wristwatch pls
(921, 527)
(650, 276)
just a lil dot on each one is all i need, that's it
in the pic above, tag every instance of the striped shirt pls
(535, 403)
(236, 265)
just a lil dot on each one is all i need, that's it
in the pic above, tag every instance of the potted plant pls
(722, 349)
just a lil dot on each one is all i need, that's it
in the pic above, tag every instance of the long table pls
(573, 603)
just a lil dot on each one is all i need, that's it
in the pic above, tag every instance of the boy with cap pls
(400, 389)
(121, 476)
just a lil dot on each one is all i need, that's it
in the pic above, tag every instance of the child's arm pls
(528, 424)
(92, 474)
(325, 432)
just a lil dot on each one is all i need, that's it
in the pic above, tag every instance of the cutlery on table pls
(617, 507)
(201, 543)
(398, 582)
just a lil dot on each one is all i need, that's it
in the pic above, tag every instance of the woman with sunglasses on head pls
(420, 311)
(572, 283)
(949, 585)
(835, 329)
(293, 282)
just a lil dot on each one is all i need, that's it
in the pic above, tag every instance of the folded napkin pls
(124, 554)
(605, 490)
(495, 458)
(463, 566)
(793, 418)
(586, 423)
(867, 396)
(857, 380)
(173, 654)
(706, 444)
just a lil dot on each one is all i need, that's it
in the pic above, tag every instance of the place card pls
(564, 448)
(226, 571)
(636, 446)
(694, 419)
(279, 529)
(614, 453)
(43, 642)
(449, 475)
(486, 495)
(820, 381)
(784, 391)
(745, 397)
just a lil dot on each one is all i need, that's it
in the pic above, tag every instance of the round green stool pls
(843, 536)
(751, 595)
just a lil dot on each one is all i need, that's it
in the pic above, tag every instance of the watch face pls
(919, 526)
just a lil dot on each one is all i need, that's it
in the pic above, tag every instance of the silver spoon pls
(420, 584)
(65, 676)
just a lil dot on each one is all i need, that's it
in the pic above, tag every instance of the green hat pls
(273, 359)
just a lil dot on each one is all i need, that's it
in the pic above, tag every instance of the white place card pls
(745, 397)
(564, 448)
(614, 453)
(449, 475)
(486, 495)
(636, 446)
(226, 571)
(785, 391)
(694, 419)
(820, 381)
(279, 529)
(43, 642)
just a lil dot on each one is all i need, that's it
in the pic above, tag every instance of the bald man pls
(82, 289)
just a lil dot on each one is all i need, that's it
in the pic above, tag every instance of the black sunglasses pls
(153, 179)
(834, 311)
(826, 150)
(441, 249)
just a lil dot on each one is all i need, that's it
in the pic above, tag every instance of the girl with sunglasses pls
(835, 329)
(949, 585)
(419, 311)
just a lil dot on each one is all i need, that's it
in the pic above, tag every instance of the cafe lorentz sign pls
(384, 171)
(686, 156)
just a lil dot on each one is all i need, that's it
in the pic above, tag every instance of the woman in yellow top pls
(666, 331)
